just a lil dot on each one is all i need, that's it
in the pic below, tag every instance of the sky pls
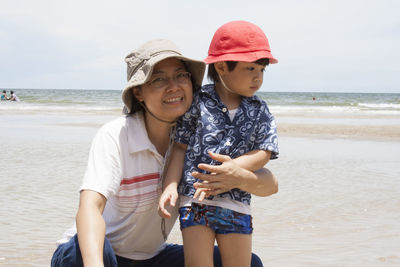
(321, 45)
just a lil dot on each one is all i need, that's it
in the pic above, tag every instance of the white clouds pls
(332, 45)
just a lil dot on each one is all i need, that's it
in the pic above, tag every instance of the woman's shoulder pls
(113, 126)
(122, 124)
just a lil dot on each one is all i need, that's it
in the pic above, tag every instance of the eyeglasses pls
(181, 78)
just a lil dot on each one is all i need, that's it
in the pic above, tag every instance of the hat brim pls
(245, 57)
(195, 67)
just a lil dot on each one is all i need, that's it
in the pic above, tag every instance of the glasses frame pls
(166, 80)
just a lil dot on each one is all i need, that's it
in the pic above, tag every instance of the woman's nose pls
(172, 86)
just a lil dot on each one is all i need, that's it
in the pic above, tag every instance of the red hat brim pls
(245, 57)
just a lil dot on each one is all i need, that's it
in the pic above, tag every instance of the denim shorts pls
(220, 220)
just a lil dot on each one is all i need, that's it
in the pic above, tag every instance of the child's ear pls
(137, 92)
(220, 67)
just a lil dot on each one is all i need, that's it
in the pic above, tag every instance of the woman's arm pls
(253, 160)
(91, 227)
(230, 175)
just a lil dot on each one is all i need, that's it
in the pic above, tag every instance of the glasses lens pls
(182, 77)
(159, 82)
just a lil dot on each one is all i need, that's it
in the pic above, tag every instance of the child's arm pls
(171, 180)
(253, 160)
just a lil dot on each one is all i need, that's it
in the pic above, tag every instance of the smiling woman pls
(123, 176)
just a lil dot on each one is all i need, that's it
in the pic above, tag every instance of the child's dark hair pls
(212, 74)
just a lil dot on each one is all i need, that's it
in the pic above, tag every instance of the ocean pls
(339, 189)
(291, 103)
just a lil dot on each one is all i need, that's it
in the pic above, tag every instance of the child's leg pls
(235, 249)
(198, 246)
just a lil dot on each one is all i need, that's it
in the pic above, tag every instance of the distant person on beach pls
(13, 97)
(4, 95)
(225, 118)
(117, 221)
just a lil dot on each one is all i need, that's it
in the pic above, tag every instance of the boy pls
(225, 118)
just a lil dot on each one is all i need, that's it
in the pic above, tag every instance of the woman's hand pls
(229, 175)
(222, 177)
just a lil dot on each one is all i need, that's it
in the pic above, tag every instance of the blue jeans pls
(69, 255)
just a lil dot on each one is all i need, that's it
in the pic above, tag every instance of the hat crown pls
(138, 57)
(239, 41)
(238, 37)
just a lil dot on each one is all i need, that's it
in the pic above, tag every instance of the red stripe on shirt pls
(137, 179)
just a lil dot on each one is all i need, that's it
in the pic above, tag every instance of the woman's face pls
(168, 94)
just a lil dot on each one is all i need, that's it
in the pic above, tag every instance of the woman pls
(117, 221)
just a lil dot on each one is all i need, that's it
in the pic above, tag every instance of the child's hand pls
(201, 193)
(168, 197)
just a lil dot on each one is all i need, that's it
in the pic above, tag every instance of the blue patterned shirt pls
(206, 126)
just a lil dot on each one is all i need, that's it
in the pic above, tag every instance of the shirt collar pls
(138, 140)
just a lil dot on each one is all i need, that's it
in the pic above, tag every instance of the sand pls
(369, 132)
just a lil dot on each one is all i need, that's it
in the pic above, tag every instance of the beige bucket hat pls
(141, 62)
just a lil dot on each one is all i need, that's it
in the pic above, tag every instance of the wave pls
(389, 109)
(26, 108)
(380, 106)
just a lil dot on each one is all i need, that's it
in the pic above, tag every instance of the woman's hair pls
(137, 106)
(212, 74)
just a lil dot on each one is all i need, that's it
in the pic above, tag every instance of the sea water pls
(289, 103)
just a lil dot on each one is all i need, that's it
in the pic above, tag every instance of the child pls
(13, 97)
(4, 95)
(225, 118)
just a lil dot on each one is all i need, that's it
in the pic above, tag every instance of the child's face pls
(245, 79)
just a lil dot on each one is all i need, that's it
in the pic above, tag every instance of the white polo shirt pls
(126, 168)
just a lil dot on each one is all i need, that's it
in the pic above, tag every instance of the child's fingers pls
(173, 199)
(197, 193)
(162, 211)
(203, 194)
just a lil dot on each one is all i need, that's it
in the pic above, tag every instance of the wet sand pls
(370, 132)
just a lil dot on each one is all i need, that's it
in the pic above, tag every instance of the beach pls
(339, 189)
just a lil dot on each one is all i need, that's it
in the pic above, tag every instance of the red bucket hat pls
(239, 41)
